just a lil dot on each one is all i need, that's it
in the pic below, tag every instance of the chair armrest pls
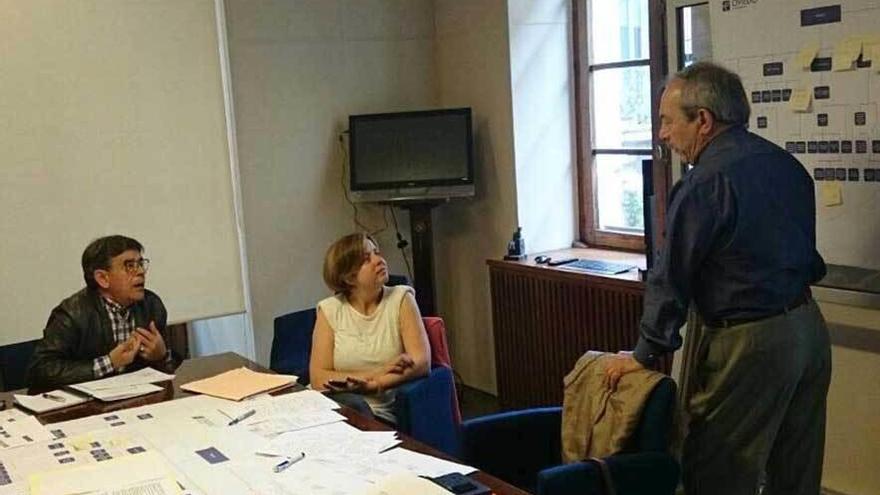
(644, 473)
(514, 445)
(424, 410)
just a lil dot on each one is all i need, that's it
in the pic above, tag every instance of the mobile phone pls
(338, 383)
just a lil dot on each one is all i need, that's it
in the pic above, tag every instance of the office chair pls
(14, 359)
(524, 448)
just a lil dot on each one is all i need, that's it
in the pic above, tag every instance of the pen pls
(290, 461)
(56, 398)
(243, 417)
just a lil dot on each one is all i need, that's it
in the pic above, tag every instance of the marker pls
(290, 461)
(243, 417)
(56, 398)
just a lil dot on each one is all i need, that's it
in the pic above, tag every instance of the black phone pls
(460, 484)
(338, 383)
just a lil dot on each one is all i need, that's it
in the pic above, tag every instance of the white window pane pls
(621, 106)
(618, 30)
(619, 193)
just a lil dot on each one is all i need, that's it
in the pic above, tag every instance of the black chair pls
(14, 359)
(525, 448)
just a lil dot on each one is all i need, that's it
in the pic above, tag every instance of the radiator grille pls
(543, 325)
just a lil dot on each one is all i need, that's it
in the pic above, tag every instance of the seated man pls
(113, 325)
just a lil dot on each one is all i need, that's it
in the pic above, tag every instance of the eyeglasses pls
(131, 266)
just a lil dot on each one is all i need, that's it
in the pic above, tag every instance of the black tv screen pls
(407, 150)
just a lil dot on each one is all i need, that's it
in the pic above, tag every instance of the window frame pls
(588, 226)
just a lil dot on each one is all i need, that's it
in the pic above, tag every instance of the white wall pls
(299, 68)
(473, 69)
(542, 85)
(852, 437)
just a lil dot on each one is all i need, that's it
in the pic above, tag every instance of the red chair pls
(436, 329)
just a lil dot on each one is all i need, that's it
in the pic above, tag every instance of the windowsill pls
(609, 255)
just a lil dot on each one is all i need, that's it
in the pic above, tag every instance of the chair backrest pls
(14, 359)
(436, 330)
(655, 426)
(292, 344)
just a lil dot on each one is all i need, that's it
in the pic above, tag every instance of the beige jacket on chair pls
(595, 421)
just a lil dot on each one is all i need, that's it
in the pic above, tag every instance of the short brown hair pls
(343, 259)
(100, 252)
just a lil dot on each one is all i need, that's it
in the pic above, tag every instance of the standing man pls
(740, 246)
(113, 325)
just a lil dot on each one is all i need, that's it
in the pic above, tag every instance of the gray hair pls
(715, 89)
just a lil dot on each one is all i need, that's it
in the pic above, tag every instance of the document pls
(406, 484)
(18, 429)
(124, 386)
(239, 384)
(146, 473)
(49, 401)
(110, 394)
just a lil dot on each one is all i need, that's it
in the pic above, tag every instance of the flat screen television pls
(408, 156)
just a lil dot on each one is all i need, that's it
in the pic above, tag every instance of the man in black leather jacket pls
(113, 325)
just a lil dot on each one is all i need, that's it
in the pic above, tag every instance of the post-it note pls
(832, 194)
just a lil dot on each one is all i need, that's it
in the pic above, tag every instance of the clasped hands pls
(146, 342)
(370, 384)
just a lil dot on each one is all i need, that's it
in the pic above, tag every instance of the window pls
(615, 113)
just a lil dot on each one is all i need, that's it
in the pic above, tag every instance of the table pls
(203, 367)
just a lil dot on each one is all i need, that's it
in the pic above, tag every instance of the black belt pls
(799, 301)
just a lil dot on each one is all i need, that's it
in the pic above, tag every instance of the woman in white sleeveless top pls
(368, 338)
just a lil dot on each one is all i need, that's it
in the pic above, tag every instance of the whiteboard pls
(847, 233)
(112, 120)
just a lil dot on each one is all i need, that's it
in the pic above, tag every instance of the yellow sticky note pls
(800, 100)
(845, 53)
(805, 57)
(832, 194)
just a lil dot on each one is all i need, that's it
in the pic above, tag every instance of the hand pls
(354, 384)
(124, 352)
(618, 365)
(152, 346)
(397, 365)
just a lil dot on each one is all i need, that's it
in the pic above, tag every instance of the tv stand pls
(422, 235)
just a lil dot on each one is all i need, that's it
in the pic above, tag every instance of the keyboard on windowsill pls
(602, 267)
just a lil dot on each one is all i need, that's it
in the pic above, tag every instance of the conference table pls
(203, 367)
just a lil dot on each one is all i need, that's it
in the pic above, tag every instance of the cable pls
(342, 176)
(401, 243)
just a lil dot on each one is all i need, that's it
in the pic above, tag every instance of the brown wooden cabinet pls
(545, 318)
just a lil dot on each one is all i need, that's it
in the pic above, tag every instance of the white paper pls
(276, 425)
(41, 403)
(18, 428)
(407, 484)
(108, 394)
(339, 442)
(105, 477)
(139, 377)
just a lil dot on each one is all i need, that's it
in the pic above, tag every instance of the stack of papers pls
(239, 384)
(124, 386)
(48, 401)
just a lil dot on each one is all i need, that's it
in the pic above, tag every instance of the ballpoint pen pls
(243, 417)
(56, 398)
(290, 461)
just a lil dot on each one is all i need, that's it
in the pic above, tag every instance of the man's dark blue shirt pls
(740, 240)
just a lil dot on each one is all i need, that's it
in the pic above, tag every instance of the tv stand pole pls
(422, 234)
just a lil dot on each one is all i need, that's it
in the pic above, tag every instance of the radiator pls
(544, 321)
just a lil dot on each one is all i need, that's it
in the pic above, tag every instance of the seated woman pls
(368, 338)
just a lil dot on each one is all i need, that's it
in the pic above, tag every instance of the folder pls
(239, 384)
